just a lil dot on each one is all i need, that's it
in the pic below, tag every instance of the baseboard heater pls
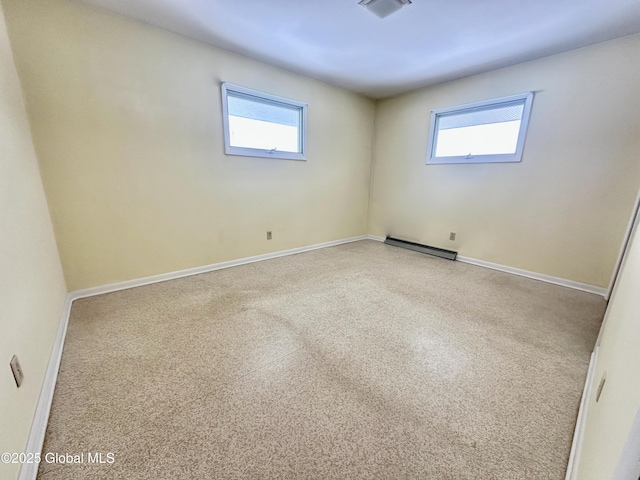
(438, 252)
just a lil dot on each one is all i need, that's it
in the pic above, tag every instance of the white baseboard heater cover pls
(438, 252)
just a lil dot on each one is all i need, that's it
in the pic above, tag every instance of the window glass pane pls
(250, 133)
(259, 123)
(484, 131)
(488, 139)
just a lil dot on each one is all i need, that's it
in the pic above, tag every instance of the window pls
(481, 132)
(257, 124)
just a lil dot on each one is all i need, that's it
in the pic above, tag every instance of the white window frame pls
(494, 158)
(257, 152)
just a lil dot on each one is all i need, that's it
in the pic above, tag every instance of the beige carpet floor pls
(357, 361)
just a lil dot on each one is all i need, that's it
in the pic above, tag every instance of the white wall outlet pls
(17, 370)
(269, 235)
(452, 236)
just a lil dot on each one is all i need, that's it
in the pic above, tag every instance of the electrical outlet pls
(452, 236)
(268, 235)
(17, 370)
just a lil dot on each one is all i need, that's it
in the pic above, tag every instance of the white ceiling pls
(427, 42)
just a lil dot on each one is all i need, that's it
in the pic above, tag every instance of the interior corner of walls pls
(376, 238)
(34, 145)
(82, 201)
(542, 193)
(32, 300)
(372, 165)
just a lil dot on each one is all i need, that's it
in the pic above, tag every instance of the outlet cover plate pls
(17, 370)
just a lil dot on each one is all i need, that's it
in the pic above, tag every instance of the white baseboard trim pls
(376, 238)
(41, 417)
(578, 434)
(585, 287)
(29, 471)
(163, 277)
(524, 273)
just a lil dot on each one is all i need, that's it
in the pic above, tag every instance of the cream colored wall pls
(32, 289)
(127, 125)
(563, 210)
(609, 420)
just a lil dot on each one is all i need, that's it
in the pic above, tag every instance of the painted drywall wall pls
(127, 124)
(32, 288)
(608, 421)
(564, 209)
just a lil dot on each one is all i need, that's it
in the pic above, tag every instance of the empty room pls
(332, 239)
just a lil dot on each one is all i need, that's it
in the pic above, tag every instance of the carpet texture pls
(357, 361)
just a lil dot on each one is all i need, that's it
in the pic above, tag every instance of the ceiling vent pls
(383, 8)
